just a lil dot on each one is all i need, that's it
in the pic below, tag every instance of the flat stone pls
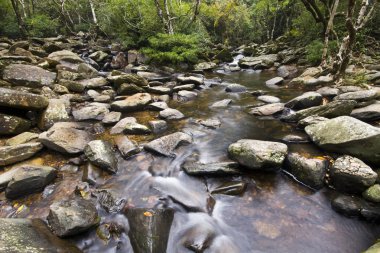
(93, 111)
(132, 103)
(222, 103)
(55, 112)
(128, 78)
(65, 56)
(171, 114)
(22, 100)
(168, 143)
(129, 125)
(158, 106)
(94, 82)
(328, 91)
(222, 168)
(196, 80)
(188, 87)
(28, 75)
(267, 110)
(367, 113)
(268, 99)
(13, 125)
(275, 81)
(234, 87)
(359, 96)
(21, 139)
(17, 153)
(101, 154)
(306, 100)
(126, 147)
(111, 118)
(187, 95)
(160, 90)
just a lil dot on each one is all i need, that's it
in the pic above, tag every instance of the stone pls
(17, 153)
(186, 95)
(268, 99)
(359, 96)
(372, 193)
(287, 71)
(72, 86)
(92, 83)
(330, 110)
(29, 179)
(267, 110)
(230, 188)
(255, 154)
(348, 205)
(119, 61)
(111, 118)
(22, 100)
(167, 144)
(221, 104)
(349, 174)
(158, 106)
(98, 56)
(128, 78)
(295, 138)
(348, 88)
(13, 125)
(212, 123)
(367, 113)
(328, 91)
(234, 87)
(129, 89)
(93, 111)
(373, 249)
(101, 154)
(126, 147)
(196, 80)
(60, 89)
(132, 103)
(72, 216)
(27, 75)
(308, 171)
(55, 112)
(347, 135)
(161, 90)
(306, 100)
(129, 125)
(258, 62)
(65, 138)
(188, 87)
(275, 81)
(310, 121)
(65, 56)
(21, 139)
(171, 114)
(31, 236)
(158, 126)
(205, 66)
(221, 168)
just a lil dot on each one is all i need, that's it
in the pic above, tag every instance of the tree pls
(19, 17)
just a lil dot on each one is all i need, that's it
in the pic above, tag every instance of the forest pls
(189, 126)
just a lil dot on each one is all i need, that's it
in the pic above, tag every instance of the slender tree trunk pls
(20, 20)
(274, 22)
(196, 10)
(169, 19)
(330, 25)
(94, 19)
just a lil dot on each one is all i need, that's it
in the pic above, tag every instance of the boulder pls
(119, 61)
(132, 103)
(65, 56)
(258, 62)
(372, 193)
(111, 118)
(309, 171)
(170, 113)
(310, 121)
(21, 139)
(22, 100)
(234, 87)
(72, 216)
(359, 96)
(287, 71)
(328, 91)
(348, 205)
(158, 125)
(13, 125)
(129, 125)
(55, 112)
(205, 66)
(268, 99)
(330, 110)
(349, 174)
(18, 153)
(167, 144)
(221, 168)
(129, 89)
(306, 100)
(126, 147)
(67, 138)
(367, 113)
(255, 154)
(93, 111)
(347, 135)
(98, 56)
(267, 110)
(29, 179)
(27, 75)
(117, 80)
(196, 80)
(101, 154)
(275, 81)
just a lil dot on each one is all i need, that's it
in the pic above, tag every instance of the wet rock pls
(65, 138)
(275, 81)
(101, 154)
(94, 111)
(347, 135)
(13, 125)
(268, 99)
(287, 71)
(372, 193)
(128, 78)
(28, 75)
(129, 125)
(255, 154)
(158, 106)
(149, 229)
(374, 248)
(160, 90)
(310, 172)
(230, 188)
(310, 121)
(111, 118)
(306, 100)
(126, 147)
(295, 138)
(222, 168)
(367, 113)
(158, 125)
(187, 95)
(267, 110)
(21, 139)
(31, 236)
(221, 104)
(212, 123)
(349, 174)
(347, 205)
(188, 87)
(328, 91)
(133, 103)
(29, 179)
(330, 110)
(55, 112)
(167, 144)
(110, 201)
(171, 114)
(92, 83)
(234, 87)
(359, 96)
(18, 153)
(129, 89)
(72, 216)
(197, 80)
(22, 100)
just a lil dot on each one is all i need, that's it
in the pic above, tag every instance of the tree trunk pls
(169, 19)
(330, 25)
(20, 20)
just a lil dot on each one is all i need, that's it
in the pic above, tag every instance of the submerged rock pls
(22, 100)
(17, 153)
(222, 168)
(13, 125)
(347, 135)
(255, 154)
(101, 154)
(167, 144)
(72, 216)
(347, 205)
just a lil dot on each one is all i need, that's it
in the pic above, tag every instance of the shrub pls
(314, 52)
(42, 26)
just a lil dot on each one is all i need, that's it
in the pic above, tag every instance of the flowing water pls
(273, 214)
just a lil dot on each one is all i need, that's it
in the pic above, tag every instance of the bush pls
(42, 26)
(314, 52)
(164, 48)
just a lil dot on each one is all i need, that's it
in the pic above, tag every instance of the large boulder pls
(167, 144)
(22, 100)
(367, 113)
(118, 80)
(18, 153)
(72, 217)
(258, 62)
(13, 125)
(101, 154)
(309, 171)
(67, 138)
(28, 75)
(349, 174)
(31, 236)
(65, 56)
(306, 100)
(330, 110)
(29, 179)
(133, 103)
(55, 112)
(255, 154)
(347, 135)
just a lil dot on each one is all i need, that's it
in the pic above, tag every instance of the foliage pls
(314, 52)
(42, 26)
(177, 48)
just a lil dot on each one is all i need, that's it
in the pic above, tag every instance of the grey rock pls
(111, 118)
(171, 114)
(188, 87)
(101, 154)
(13, 125)
(158, 126)
(197, 80)
(213, 123)
(310, 121)
(158, 106)
(275, 81)
(28, 75)
(328, 91)
(222, 168)
(187, 95)
(222, 103)
(359, 96)
(160, 90)
(168, 143)
(367, 113)
(205, 66)
(55, 112)
(267, 110)
(21, 139)
(234, 87)
(287, 71)
(22, 100)
(347, 205)
(128, 78)
(129, 125)
(65, 56)
(306, 100)
(94, 82)
(268, 99)
(132, 103)
(18, 153)
(126, 147)
(93, 111)
(129, 89)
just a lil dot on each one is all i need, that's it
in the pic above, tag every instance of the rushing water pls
(274, 214)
